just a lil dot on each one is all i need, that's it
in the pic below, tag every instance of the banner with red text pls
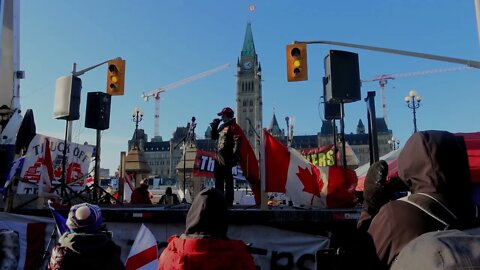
(77, 163)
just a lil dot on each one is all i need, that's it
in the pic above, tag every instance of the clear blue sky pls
(165, 41)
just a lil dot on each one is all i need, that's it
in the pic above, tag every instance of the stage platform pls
(314, 221)
(280, 232)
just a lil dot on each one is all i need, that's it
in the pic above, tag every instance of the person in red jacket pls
(141, 195)
(205, 244)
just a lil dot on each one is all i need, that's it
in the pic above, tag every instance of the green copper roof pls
(360, 123)
(274, 128)
(248, 46)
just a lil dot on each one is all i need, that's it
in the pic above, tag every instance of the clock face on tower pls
(247, 65)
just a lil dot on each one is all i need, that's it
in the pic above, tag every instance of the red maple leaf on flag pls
(311, 181)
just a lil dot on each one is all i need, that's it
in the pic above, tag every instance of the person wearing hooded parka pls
(205, 244)
(434, 166)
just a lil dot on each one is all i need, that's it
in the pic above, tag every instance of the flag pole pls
(261, 168)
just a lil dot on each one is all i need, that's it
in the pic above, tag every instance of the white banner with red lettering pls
(77, 163)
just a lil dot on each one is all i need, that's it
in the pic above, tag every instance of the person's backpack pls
(449, 249)
(446, 249)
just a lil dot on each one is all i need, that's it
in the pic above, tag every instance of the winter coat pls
(228, 144)
(434, 163)
(84, 251)
(141, 195)
(205, 244)
(169, 199)
(205, 253)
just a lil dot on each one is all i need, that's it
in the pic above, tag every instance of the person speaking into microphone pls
(227, 152)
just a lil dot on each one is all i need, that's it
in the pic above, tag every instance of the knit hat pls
(84, 217)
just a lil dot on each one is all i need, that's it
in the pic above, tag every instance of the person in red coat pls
(205, 244)
(141, 195)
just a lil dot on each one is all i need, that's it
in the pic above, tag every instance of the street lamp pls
(394, 142)
(413, 102)
(137, 117)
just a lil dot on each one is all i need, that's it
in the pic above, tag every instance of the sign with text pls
(205, 166)
(321, 156)
(77, 162)
(324, 156)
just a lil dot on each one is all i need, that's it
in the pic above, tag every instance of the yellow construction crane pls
(156, 93)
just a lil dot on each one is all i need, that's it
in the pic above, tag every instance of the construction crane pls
(383, 80)
(156, 93)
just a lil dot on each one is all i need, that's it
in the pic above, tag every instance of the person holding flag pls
(85, 245)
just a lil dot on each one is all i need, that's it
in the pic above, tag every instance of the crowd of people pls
(440, 198)
(204, 245)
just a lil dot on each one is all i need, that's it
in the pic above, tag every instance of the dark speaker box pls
(342, 77)
(97, 115)
(67, 98)
(331, 110)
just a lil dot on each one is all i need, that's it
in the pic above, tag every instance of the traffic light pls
(116, 77)
(297, 62)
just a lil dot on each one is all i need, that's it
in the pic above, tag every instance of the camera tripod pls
(188, 139)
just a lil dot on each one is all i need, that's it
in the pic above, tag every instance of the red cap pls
(227, 111)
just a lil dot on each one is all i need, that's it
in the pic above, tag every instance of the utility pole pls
(477, 14)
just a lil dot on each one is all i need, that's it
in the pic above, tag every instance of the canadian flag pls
(287, 171)
(46, 172)
(144, 252)
(128, 188)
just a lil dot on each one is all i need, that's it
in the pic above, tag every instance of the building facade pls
(164, 156)
(358, 141)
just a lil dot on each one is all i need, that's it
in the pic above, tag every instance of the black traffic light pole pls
(372, 127)
(467, 62)
(83, 71)
(68, 138)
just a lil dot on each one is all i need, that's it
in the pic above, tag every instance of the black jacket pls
(84, 251)
(228, 144)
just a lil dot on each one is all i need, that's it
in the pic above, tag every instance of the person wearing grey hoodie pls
(434, 165)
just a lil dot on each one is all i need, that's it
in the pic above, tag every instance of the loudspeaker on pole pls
(342, 77)
(67, 98)
(331, 110)
(98, 110)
